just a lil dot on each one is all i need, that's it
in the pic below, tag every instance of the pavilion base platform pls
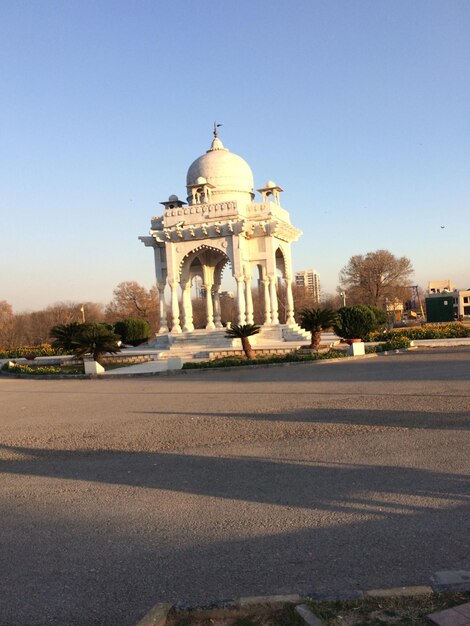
(204, 344)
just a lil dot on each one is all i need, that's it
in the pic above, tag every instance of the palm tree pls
(64, 335)
(316, 320)
(243, 331)
(96, 339)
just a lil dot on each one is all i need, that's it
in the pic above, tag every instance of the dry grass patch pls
(259, 615)
(399, 611)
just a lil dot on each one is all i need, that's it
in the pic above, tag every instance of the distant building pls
(461, 301)
(440, 286)
(394, 309)
(439, 307)
(310, 281)
(444, 302)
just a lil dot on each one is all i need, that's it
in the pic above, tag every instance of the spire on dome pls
(216, 143)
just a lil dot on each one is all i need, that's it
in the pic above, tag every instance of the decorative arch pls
(280, 259)
(198, 253)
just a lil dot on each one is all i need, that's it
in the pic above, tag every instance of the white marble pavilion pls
(221, 225)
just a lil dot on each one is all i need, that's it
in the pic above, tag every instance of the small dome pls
(226, 171)
(200, 180)
(270, 184)
(173, 198)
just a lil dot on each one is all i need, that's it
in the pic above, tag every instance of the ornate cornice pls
(223, 228)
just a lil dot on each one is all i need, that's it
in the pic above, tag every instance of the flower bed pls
(454, 330)
(288, 358)
(43, 349)
(41, 370)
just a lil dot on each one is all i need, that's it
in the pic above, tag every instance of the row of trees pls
(130, 300)
(366, 279)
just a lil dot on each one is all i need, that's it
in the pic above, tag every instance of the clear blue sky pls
(359, 109)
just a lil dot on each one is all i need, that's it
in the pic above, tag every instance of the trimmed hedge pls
(132, 330)
(240, 361)
(356, 322)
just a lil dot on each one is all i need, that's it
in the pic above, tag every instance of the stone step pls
(200, 343)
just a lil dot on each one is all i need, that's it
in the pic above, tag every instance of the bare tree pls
(132, 300)
(375, 277)
(7, 323)
(331, 300)
(199, 312)
(33, 327)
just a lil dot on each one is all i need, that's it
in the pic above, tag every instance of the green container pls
(440, 308)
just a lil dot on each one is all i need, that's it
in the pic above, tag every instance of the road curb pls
(157, 615)
(395, 592)
(269, 600)
(440, 582)
(204, 370)
(307, 615)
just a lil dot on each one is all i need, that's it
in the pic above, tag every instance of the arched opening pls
(281, 286)
(204, 304)
(257, 279)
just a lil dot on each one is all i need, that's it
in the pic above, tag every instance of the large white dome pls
(226, 171)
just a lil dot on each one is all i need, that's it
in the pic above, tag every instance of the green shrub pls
(90, 338)
(355, 322)
(132, 330)
(97, 340)
(380, 316)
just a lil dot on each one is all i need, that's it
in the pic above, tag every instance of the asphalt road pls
(116, 494)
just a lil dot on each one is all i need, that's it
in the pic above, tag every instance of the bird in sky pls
(442, 226)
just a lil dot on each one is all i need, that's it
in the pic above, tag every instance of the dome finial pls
(216, 126)
(216, 143)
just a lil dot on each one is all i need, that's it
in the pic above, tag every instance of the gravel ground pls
(116, 494)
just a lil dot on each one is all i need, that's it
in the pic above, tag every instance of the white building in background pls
(310, 281)
(440, 286)
(461, 301)
(460, 297)
(221, 228)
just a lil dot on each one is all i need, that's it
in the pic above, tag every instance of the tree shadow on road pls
(313, 485)
(434, 419)
(335, 526)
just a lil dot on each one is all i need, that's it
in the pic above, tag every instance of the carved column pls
(290, 302)
(217, 309)
(187, 307)
(249, 301)
(209, 308)
(273, 292)
(162, 309)
(175, 310)
(241, 299)
(267, 302)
